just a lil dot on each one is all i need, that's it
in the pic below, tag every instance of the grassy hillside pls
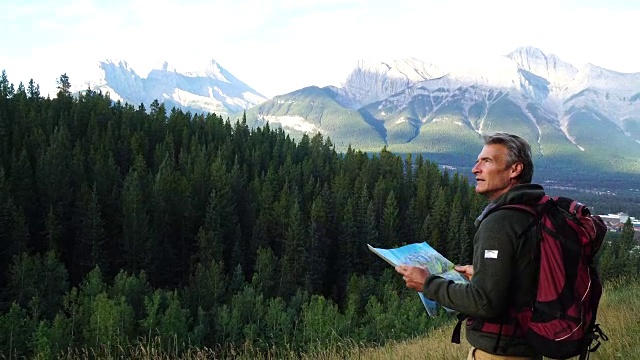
(318, 107)
(619, 316)
(632, 126)
(506, 116)
(596, 135)
(445, 135)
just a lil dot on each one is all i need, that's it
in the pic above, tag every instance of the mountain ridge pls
(210, 89)
(588, 115)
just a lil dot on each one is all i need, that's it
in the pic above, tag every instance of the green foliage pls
(174, 323)
(619, 255)
(16, 328)
(321, 323)
(40, 277)
(111, 322)
(265, 273)
(42, 341)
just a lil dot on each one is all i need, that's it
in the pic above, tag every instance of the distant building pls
(615, 222)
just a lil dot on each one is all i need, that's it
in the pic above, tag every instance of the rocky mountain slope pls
(589, 117)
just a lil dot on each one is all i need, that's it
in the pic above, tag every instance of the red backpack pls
(561, 322)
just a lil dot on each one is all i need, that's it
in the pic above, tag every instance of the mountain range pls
(578, 120)
(212, 89)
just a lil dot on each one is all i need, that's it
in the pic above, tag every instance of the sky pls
(278, 46)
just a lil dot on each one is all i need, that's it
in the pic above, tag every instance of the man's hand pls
(466, 270)
(414, 276)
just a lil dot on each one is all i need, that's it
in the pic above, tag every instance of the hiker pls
(504, 273)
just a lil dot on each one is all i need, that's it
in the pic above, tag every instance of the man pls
(503, 274)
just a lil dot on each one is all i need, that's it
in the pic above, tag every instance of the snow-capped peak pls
(374, 80)
(411, 69)
(211, 89)
(593, 76)
(548, 66)
(164, 66)
(210, 70)
(116, 62)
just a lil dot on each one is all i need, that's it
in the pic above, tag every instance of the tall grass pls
(619, 316)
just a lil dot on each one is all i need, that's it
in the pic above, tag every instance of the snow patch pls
(253, 98)
(564, 125)
(445, 118)
(293, 122)
(188, 99)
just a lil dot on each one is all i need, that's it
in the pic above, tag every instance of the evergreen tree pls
(466, 245)
(265, 273)
(210, 236)
(317, 254)
(350, 259)
(165, 219)
(454, 234)
(54, 190)
(91, 237)
(293, 270)
(135, 221)
(21, 181)
(64, 85)
(53, 232)
(438, 221)
(224, 205)
(370, 236)
(390, 223)
(18, 239)
(33, 90)
(5, 225)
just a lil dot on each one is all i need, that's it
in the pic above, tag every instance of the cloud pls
(278, 46)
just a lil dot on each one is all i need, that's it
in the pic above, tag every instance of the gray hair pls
(518, 151)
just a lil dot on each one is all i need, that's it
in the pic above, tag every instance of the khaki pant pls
(477, 354)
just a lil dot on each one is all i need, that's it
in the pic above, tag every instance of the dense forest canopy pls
(121, 223)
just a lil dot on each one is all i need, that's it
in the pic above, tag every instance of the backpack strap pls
(455, 336)
(595, 335)
(495, 347)
(537, 210)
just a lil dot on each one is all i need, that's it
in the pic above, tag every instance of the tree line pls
(124, 226)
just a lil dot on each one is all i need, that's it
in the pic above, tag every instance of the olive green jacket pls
(504, 272)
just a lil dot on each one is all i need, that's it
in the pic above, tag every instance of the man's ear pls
(516, 170)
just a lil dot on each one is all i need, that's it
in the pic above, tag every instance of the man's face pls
(493, 177)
